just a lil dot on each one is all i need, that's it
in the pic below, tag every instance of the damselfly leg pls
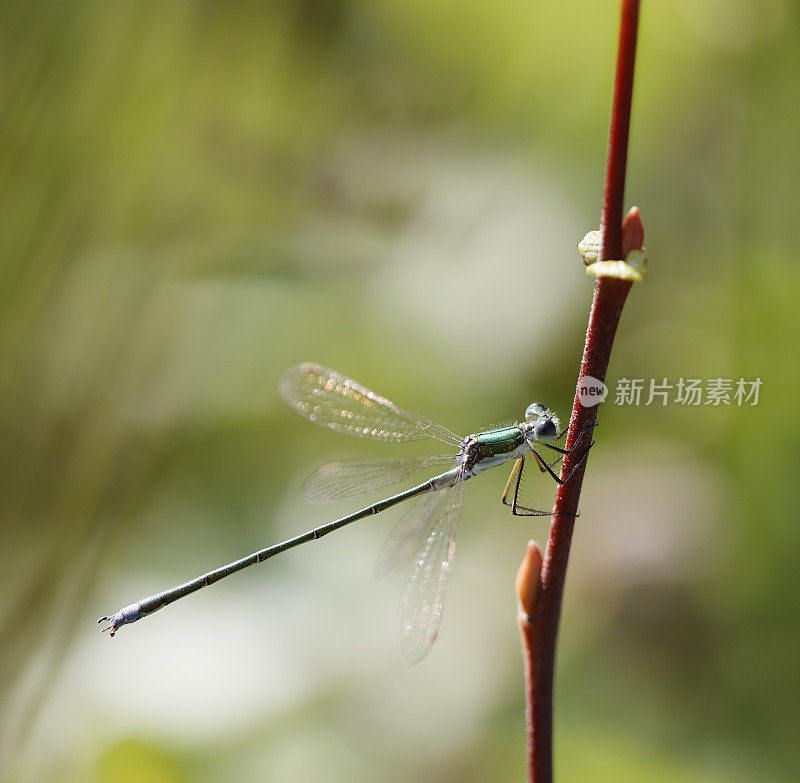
(516, 476)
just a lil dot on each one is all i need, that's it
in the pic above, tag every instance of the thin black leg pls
(523, 511)
(574, 468)
(585, 427)
(577, 440)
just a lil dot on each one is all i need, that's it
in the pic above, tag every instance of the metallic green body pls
(503, 442)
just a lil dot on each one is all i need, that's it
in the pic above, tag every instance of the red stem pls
(540, 631)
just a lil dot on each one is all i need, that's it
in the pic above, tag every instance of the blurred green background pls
(197, 195)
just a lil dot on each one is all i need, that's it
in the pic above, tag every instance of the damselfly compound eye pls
(534, 411)
(545, 429)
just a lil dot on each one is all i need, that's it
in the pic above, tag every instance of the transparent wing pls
(426, 585)
(401, 544)
(346, 478)
(340, 404)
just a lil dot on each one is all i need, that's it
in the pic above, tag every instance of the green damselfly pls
(427, 531)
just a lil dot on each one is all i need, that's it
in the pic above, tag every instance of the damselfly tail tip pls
(128, 614)
(112, 626)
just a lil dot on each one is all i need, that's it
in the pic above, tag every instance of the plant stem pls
(540, 628)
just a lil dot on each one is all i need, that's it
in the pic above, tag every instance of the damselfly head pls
(541, 423)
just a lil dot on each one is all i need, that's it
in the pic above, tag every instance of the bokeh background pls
(196, 196)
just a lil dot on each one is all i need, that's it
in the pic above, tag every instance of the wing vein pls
(425, 588)
(330, 400)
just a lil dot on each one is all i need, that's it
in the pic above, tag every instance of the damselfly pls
(427, 531)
